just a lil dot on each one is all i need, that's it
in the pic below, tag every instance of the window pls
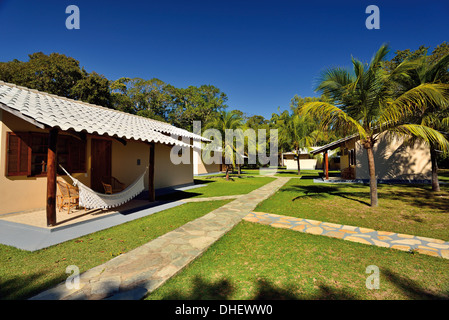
(18, 155)
(352, 157)
(27, 154)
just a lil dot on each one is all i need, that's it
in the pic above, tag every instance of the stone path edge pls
(399, 241)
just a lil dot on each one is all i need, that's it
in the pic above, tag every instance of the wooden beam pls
(151, 190)
(326, 165)
(51, 177)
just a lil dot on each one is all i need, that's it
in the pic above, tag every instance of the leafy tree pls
(202, 103)
(57, 74)
(147, 98)
(364, 102)
(93, 88)
(255, 122)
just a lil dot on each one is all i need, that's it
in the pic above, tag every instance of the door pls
(101, 163)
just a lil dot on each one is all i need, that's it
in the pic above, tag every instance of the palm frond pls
(430, 136)
(332, 116)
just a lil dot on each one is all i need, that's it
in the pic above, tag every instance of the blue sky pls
(260, 53)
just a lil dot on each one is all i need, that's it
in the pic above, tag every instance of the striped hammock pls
(90, 199)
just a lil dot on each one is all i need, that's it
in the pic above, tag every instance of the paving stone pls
(314, 230)
(437, 245)
(281, 225)
(299, 227)
(431, 240)
(385, 233)
(408, 236)
(335, 234)
(401, 247)
(428, 252)
(444, 254)
(366, 230)
(356, 239)
(408, 242)
(381, 243)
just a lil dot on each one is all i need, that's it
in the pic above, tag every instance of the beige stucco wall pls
(395, 160)
(168, 174)
(200, 167)
(305, 164)
(23, 193)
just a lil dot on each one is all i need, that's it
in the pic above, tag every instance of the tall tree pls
(364, 102)
(223, 121)
(430, 69)
(195, 103)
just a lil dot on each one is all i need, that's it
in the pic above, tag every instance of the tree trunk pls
(227, 172)
(433, 159)
(239, 169)
(297, 161)
(372, 176)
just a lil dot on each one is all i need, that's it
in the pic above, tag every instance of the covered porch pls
(347, 158)
(90, 142)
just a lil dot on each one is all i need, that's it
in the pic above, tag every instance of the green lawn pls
(411, 209)
(256, 261)
(443, 175)
(217, 185)
(23, 273)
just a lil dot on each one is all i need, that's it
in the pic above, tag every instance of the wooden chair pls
(112, 185)
(69, 197)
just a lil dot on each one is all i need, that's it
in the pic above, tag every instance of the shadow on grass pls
(323, 192)
(411, 289)
(413, 195)
(22, 287)
(223, 290)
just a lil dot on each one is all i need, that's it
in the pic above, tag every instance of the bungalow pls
(38, 131)
(396, 160)
(307, 161)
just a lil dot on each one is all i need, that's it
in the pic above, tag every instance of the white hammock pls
(90, 199)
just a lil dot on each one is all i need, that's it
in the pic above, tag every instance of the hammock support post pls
(151, 190)
(51, 177)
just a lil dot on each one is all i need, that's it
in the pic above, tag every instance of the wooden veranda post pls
(51, 177)
(152, 195)
(326, 165)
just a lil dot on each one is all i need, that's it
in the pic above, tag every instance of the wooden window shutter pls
(18, 162)
(77, 155)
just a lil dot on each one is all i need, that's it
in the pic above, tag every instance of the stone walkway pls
(404, 242)
(134, 274)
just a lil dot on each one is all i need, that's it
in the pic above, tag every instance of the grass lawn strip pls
(408, 209)
(255, 261)
(23, 273)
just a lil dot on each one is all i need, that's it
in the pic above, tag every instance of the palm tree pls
(434, 115)
(299, 133)
(367, 103)
(224, 121)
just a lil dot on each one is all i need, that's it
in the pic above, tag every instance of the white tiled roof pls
(56, 111)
